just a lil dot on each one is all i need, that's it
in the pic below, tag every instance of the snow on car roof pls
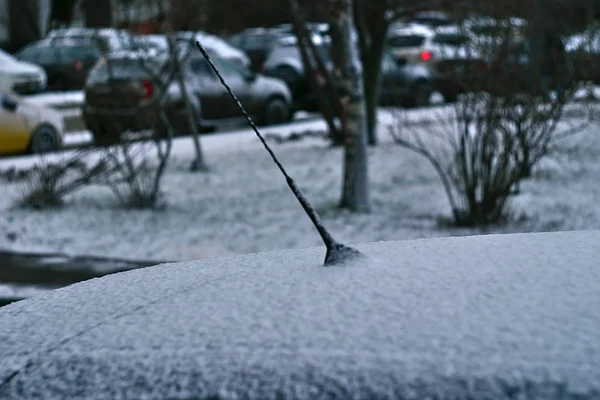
(472, 317)
(412, 29)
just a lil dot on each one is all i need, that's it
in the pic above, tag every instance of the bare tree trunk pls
(326, 93)
(355, 191)
(192, 112)
(372, 26)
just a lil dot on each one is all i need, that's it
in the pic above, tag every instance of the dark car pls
(285, 62)
(512, 71)
(125, 96)
(257, 43)
(67, 65)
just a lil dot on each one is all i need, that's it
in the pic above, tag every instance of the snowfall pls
(243, 205)
(481, 317)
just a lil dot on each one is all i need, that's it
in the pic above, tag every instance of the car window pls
(199, 66)
(227, 69)
(406, 41)
(29, 54)
(256, 42)
(69, 54)
(47, 55)
(294, 52)
(236, 41)
(450, 39)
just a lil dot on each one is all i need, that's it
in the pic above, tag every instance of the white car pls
(417, 44)
(27, 126)
(21, 76)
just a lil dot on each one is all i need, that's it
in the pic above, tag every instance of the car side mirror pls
(9, 104)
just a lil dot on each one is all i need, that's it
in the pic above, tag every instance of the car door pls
(14, 133)
(241, 83)
(48, 58)
(205, 87)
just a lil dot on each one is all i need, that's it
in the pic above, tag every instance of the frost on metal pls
(485, 317)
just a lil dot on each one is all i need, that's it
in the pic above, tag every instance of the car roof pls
(413, 30)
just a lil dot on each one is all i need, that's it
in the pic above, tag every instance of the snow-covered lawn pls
(243, 204)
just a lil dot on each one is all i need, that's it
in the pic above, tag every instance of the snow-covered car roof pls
(217, 44)
(483, 317)
(412, 29)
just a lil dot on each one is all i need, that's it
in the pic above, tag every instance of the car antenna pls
(337, 253)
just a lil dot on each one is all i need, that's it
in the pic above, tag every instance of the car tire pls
(44, 139)
(277, 111)
(287, 74)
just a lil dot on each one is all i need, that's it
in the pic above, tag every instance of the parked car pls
(107, 39)
(446, 51)
(28, 127)
(257, 43)
(584, 52)
(285, 62)
(66, 66)
(513, 72)
(20, 76)
(404, 84)
(213, 44)
(129, 101)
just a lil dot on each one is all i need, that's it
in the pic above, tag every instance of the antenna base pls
(339, 253)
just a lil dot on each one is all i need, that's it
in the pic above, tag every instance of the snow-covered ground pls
(494, 317)
(243, 205)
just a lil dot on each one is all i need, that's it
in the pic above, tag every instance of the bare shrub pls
(139, 158)
(137, 173)
(505, 121)
(48, 182)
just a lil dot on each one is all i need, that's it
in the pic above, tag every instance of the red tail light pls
(425, 55)
(78, 65)
(147, 89)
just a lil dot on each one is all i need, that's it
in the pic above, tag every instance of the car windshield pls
(406, 41)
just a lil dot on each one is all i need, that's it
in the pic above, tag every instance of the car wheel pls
(44, 139)
(277, 111)
(287, 74)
